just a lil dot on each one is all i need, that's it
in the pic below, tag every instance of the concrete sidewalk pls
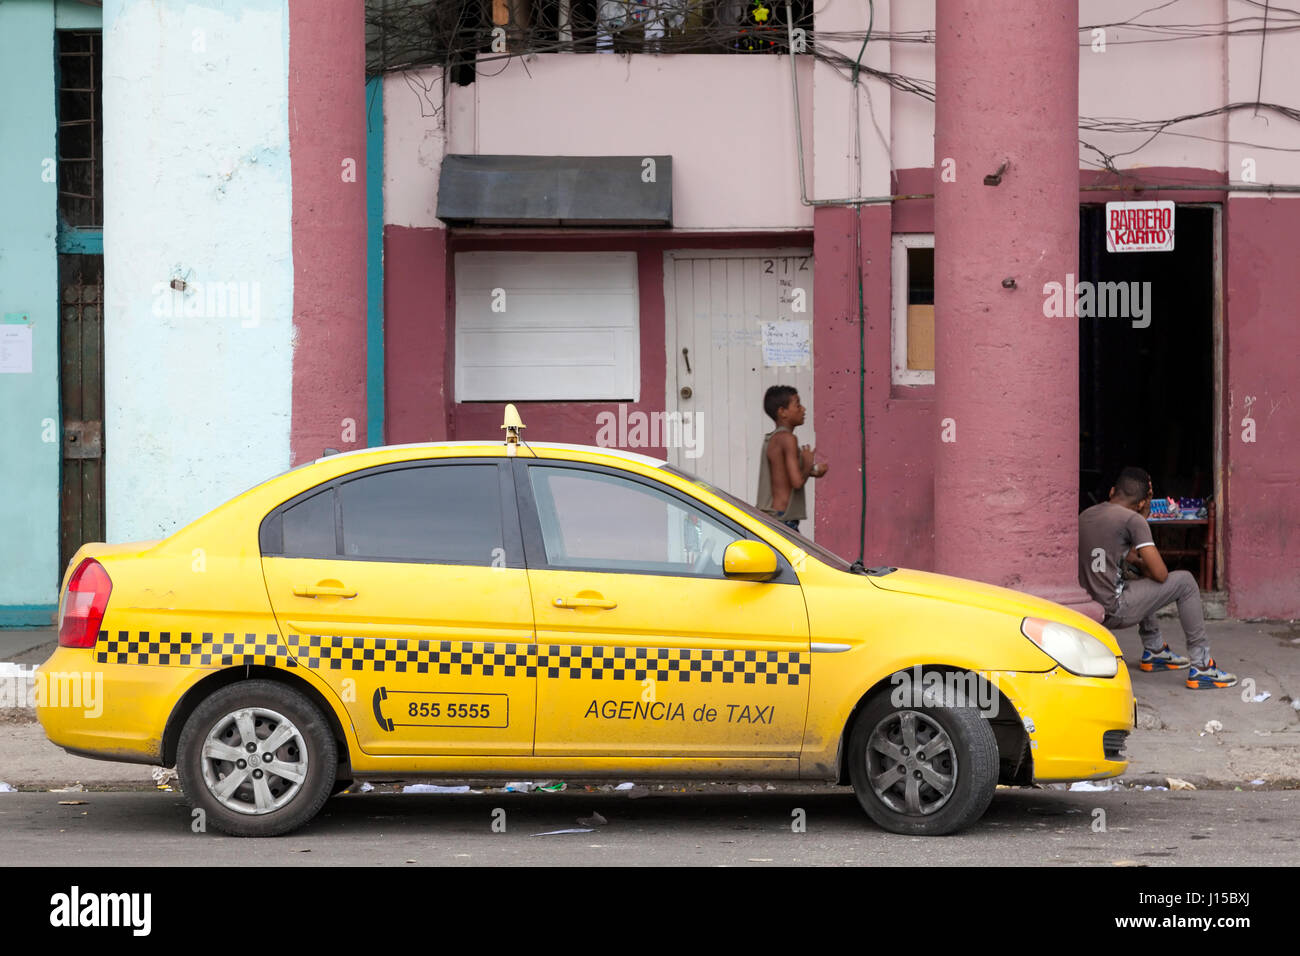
(1260, 741)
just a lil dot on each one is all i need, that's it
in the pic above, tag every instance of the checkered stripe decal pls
(401, 655)
(682, 664)
(187, 649)
(550, 660)
(458, 658)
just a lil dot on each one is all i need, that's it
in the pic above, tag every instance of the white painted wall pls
(196, 156)
(1145, 80)
(727, 121)
(415, 140)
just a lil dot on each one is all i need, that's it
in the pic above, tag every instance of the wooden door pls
(737, 324)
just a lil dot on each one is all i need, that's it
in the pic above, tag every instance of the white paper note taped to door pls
(787, 344)
(16, 348)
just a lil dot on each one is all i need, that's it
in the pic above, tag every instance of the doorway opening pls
(1148, 392)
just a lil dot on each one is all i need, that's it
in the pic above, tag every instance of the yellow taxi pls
(508, 609)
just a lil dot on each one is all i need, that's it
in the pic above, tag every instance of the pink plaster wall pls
(1006, 377)
(416, 349)
(1262, 546)
(327, 127)
(899, 453)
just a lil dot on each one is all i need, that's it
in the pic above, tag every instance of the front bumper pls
(1067, 717)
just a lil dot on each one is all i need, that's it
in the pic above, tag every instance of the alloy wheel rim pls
(254, 761)
(911, 763)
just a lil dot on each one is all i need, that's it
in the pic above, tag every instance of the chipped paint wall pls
(29, 293)
(196, 154)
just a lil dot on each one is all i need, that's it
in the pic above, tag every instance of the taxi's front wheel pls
(923, 770)
(257, 758)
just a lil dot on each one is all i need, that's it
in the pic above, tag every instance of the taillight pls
(84, 605)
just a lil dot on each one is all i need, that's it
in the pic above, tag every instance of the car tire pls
(240, 791)
(942, 783)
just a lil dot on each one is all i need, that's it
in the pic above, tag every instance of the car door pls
(403, 588)
(644, 646)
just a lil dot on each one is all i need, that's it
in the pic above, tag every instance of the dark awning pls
(556, 190)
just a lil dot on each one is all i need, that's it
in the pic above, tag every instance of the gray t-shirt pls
(1106, 534)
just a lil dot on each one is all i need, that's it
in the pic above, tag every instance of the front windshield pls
(794, 537)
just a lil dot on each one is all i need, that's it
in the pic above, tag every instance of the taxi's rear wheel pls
(258, 758)
(923, 770)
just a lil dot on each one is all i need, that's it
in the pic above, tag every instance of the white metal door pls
(736, 324)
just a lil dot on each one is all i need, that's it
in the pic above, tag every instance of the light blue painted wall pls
(30, 434)
(197, 187)
(72, 15)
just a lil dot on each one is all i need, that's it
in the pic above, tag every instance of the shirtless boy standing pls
(784, 467)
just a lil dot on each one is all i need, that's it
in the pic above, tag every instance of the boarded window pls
(546, 326)
(920, 309)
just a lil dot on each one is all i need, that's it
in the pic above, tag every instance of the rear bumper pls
(1069, 717)
(118, 712)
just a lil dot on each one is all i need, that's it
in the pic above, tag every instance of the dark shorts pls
(793, 525)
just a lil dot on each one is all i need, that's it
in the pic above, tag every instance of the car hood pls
(943, 587)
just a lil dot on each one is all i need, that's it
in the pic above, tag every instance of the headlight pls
(1075, 650)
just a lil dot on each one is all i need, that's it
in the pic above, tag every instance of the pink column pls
(1006, 377)
(327, 155)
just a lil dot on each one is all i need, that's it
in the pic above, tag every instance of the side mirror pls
(749, 561)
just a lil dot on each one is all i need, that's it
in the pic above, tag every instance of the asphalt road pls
(714, 827)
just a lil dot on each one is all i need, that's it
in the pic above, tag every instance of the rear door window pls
(445, 514)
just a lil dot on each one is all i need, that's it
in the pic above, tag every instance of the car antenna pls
(513, 424)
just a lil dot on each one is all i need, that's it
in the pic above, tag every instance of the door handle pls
(324, 590)
(577, 602)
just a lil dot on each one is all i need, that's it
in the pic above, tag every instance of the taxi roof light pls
(512, 425)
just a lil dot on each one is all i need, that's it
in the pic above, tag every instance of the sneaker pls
(1204, 678)
(1162, 660)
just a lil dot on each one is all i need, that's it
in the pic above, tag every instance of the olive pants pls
(1142, 598)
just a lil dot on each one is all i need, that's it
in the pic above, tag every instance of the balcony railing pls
(405, 34)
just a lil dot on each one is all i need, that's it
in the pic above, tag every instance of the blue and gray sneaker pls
(1162, 660)
(1209, 676)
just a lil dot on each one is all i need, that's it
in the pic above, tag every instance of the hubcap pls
(254, 760)
(911, 763)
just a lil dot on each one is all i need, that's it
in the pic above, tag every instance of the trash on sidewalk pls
(366, 787)
(5, 788)
(434, 788)
(1176, 784)
(558, 832)
(1262, 696)
(750, 788)
(75, 788)
(1212, 727)
(1097, 785)
(164, 778)
(595, 820)
(553, 787)
(627, 785)
(72, 803)
(1257, 783)
(524, 786)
